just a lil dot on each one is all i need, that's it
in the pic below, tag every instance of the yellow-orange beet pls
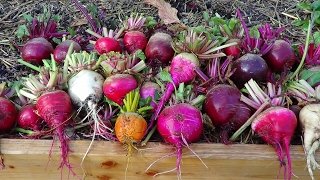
(130, 126)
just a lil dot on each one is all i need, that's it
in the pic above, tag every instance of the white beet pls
(86, 86)
(310, 121)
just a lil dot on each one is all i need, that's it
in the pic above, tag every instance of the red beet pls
(276, 126)
(159, 49)
(37, 49)
(28, 119)
(55, 109)
(225, 109)
(281, 57)
(117, 86)
(8, 114)
(107, 44)
(134, 40)
(61, 50)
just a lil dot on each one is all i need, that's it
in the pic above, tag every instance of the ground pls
(278, 13)
(190, 12)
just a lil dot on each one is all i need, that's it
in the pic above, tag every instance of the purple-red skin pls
(8, 115)
(182, 70)
(159, 49)
(28, 119)
(134, 40)
(281, 57)
(178, 125)
(107, 44)
(117, 86)
(60, 52)
(37, 49)
(55, 109)
(148, 89)
(249, 66)
(276, 126)
(226, 111)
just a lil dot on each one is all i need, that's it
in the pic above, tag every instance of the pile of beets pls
(148, 76)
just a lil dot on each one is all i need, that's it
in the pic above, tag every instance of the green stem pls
(221, 47)
(249, 121)
(304, 53)
(29, 65)
(25, 131)
(94, 34)
(227, 30)
(198, 100)
(97, 64)
(141, 65)
(66, 62)
(144, 109)
(135, 100)
(2, 87)
(28, 95)
(145, 141)
(35, 82)
(53, 73)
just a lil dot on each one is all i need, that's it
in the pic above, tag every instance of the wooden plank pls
(27, 159)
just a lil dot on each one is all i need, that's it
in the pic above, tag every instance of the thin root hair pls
(187, 145)
(168, 155)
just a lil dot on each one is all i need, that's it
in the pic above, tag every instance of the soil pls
(276, 12)
(190, 12)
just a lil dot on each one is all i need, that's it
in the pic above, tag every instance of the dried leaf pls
(166, 13)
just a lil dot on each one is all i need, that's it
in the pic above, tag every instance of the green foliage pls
(22, 31)
(310, 76)
(314, 9)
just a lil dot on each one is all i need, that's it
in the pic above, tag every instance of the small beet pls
(107, 44)
(249, 66)
(61, 50)
(280, 57)
(37, 49)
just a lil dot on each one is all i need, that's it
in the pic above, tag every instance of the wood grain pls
(28, 159)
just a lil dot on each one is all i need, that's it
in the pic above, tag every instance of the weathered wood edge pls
(153, 149)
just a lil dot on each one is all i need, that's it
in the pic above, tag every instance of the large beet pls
(225, 109)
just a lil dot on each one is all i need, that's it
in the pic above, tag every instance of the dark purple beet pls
(249, 66)
(61, 50)
(225, 109)
(280, 57)
(37, 49)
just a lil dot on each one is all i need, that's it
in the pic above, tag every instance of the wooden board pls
(28, 159)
